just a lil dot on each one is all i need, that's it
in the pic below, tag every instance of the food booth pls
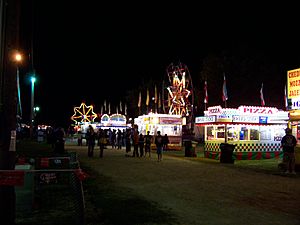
(293, 105)
(255, 131)
(166, 124)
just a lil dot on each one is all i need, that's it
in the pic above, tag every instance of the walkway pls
(198, 192)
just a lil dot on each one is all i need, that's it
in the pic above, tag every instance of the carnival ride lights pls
(83, 114)
(179, 90)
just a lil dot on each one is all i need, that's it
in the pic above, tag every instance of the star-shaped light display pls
(179, 93)
(84, 113)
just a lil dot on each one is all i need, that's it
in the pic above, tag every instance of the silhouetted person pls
(102, 142)
(135, 140)
(159, 145)
(141, 144)
(92, 138)
(165, 142)
(288, 143)
(148, 141)
(128, 141)
(79, 138)
(59, 135)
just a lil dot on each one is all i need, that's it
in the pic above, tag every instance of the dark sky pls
(91, 51)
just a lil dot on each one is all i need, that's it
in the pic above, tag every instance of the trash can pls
(187, 148)
(190, 148)
(226, 153)
(194, 145)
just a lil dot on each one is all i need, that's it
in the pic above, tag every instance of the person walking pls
(159, 146)
(288, 143)
(102, 142)
(148, 141)
(79, 138)
(141, 144)
(119, 139)
(91, 143)
(114, 139)
(59, 140)
(128, 142)
(165, 142)
(135, 141)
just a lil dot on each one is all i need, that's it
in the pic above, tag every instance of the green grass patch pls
(262, 165)
(33, 149)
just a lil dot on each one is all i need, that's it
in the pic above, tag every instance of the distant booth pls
(255, 131)
(166, 124)
(114, 121)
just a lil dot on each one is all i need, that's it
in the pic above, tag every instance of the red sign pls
(12, 178)
(166, 120)
(214, 110)
(257, 110)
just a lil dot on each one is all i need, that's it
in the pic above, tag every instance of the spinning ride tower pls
(180, 93)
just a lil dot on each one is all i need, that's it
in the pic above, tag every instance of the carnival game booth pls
(255, 131)
(166, 124)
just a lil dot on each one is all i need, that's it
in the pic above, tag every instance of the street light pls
(32, 79)
(18, 59)
(36, 109)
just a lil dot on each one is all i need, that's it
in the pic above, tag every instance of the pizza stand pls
(254, 131)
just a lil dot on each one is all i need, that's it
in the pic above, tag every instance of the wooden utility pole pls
(9, 38)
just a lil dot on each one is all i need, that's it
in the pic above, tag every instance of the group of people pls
(143, 142)
(91, 137)
(56, 137)
(132, 137)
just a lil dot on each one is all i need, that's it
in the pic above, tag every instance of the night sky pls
(94, 51)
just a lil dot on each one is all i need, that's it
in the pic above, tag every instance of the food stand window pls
(265, 133)
(232, 133)
(170, 129)
(244, 133)
(254, 134)
(210, 133)
(220, 132)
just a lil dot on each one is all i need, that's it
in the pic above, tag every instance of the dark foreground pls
(177, 190)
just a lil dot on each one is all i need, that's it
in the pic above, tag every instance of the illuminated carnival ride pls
(180, 94)
(83, 114)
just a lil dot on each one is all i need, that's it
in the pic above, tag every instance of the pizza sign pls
(257, 110)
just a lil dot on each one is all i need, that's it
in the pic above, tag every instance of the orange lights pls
(83, 114)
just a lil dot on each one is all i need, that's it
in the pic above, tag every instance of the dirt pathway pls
(203, 193)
